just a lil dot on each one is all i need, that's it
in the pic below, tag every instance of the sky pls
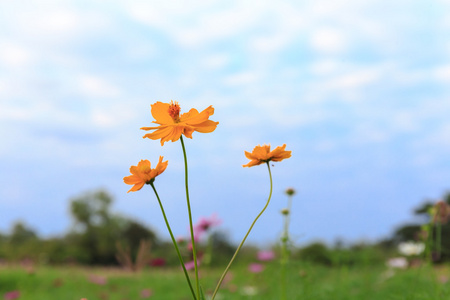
(359, 91)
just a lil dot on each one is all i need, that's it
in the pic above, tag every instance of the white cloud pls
(442, 73)
(94, 86)
(56, 22)
(356, 79)
(194, 24)
(338, 81)
(282, 25)
(11, 112)
(329, 40)
(325, 67)
(243, 78)
(50, 21)
(216, 61)
(14, 55)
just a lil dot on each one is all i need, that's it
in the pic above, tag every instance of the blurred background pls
(358, 91)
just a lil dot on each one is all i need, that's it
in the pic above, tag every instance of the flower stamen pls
(174, 111)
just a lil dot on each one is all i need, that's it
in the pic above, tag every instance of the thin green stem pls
(438, 239)
(174, 243)
(283, 280)
(428, 243)
(245, 237)
(191, 227)
(207, 257)
(284, 249)
(288, 218)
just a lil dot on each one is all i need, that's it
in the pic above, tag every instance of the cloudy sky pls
(358, 90)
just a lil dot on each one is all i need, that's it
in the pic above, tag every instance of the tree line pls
(101, 237)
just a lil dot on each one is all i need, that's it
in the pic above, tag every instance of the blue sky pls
(358, 90)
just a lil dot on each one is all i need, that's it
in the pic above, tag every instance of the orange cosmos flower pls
(262, 154)
(143, 173)
(172, 125)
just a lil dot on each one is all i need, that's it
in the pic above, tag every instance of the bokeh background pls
(358, 90)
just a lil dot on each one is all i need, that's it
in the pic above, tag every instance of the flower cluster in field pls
(172, 126)
(427, 245)
(202, 235)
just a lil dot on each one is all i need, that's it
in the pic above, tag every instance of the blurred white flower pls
(397, 263)
(249, 290)
(411, 248)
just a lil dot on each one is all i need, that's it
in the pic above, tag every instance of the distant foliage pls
(316, 253)
(415, 232)
(353, 255)
(92, 239)
(97, 230)
(99, 237)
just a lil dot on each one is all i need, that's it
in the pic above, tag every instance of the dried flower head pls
(290, 192)
(441, 212)
(285, 211)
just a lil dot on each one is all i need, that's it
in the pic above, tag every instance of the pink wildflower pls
(12, 295)
(204, 224)
(190, 265)
(265, 255)
(100, 280)
(146, 293)
(158, 262)
(256, 268)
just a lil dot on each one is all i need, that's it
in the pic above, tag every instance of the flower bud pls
(290, 191)
(285, 211)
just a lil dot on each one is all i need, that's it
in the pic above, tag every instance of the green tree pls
(97, 229)
(21, 234)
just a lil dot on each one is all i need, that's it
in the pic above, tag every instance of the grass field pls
(305, 282)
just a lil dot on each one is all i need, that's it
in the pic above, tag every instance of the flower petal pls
(150, 128)
(136, 187)
(261, 152)
(144, 165)
(132, 179)
(253, 163)
(188, 130)
(171, 129)
(175, 134)
(207, 126)
(193, 117)
(160, 111)
(161, 166)
(162, 132)
(192, 113)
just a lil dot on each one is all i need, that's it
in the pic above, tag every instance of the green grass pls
(305, 282)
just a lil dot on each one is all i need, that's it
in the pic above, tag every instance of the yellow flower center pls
(174, 111)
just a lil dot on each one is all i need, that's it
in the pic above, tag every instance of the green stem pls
(283, 277)
(207, 258)
(174, 243)
(438, 239)
(191, 227)
(245, 237)
(429, 243)
(288, 218)
(284, 249)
